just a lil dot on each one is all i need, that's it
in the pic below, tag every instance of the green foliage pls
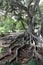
(1, 50)
(41, 7)
(6, 25)
(37, 20)
(19, 26)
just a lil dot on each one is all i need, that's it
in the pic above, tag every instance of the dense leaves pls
(8, 24)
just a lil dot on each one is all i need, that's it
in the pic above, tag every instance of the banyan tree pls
(26, 45)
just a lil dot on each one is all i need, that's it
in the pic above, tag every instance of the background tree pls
(25, 13)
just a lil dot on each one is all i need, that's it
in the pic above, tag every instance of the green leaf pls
(1, 49)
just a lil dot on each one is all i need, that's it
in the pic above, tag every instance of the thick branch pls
(21, 6)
